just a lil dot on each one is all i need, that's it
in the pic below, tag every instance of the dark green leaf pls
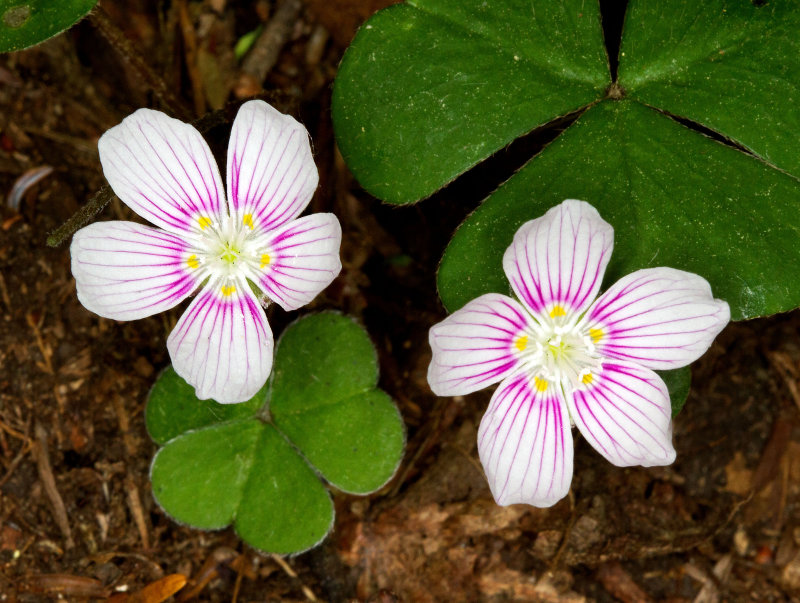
(673, 197)
(678, 383)
(731, 65)
(24, 23)
(431, 87)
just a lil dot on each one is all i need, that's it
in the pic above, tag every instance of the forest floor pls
(77, 519)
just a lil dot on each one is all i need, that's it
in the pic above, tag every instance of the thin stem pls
(81, 217)
(103, 196)
(116, 37)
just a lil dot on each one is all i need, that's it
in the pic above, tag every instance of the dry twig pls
(292, 574)
(264, 53)
(190, 46)
(126, 50)
(135, 505)
(48, 481)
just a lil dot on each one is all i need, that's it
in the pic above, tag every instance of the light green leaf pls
(290, 511)
(356, 443)
(325, 400)
(198, 477)
(173, 409)
(245, 43)
(429, 88)
(674, 198)
(249, 463)
(324, 358)
(25, 23)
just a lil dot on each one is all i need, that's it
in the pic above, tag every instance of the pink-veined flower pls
(234, 253)
(564, 358)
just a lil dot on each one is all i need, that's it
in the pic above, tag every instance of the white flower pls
(563, 357)
(232, 251)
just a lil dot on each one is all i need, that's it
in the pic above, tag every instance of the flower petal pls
(222, 345)
(525, 443)
(163, 170)
(125, 270)
(300, 259)
(625, 414)
(271, 173)
(476, 346)
(661, 318)
(556, 263)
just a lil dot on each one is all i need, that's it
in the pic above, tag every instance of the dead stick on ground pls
(788, 372)
(135, 505)
(264, 54)
(43, 349)
(4, 293)
(48, 481)
(190, 46)
(292, 574)
(125, 48)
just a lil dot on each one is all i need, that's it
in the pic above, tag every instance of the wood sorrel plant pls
(429, 88)
(238, 253)
(258, 464)
(253, 464)
(689, 150)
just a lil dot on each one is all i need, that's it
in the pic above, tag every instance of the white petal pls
(625, 414)
(525, 444)
(556, 263)
(474, 347)
(163, 170)
(300, 259)
(271, 173)
(222, 345)
(660, 318)
(125, 270)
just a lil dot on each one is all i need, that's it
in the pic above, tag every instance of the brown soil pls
(77, 520)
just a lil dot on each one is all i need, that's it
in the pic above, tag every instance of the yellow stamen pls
(595, 334)
(204, 222)
(265, 260)
(557, 311)
(247, 220)
(541, 384)
(228, 290)
(521, 343)
(193, 262)
(587, 379)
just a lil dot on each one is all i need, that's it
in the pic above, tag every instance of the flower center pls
(227, 252)
(559, 353)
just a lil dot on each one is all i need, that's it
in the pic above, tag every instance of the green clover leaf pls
(431, 87)
(255, 464)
